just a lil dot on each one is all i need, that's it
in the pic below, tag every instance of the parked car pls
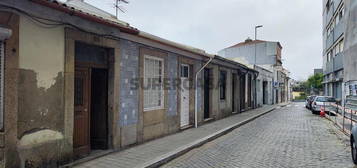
(322, 101)
(353, 140)
(308, 102)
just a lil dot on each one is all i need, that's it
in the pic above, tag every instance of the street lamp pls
(255, 61)
(255, 38)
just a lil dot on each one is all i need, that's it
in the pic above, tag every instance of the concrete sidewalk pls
(160, 151)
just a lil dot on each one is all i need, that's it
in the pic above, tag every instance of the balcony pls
(338, 62)
(329, 67)
(336, 3)
(330, 40)
(329, 14)
(339, 29)
(335, 64)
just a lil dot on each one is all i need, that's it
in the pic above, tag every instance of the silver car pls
(324, 102)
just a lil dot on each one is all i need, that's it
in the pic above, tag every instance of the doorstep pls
(160, 151)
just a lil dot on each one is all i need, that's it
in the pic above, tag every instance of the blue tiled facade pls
(129, 96)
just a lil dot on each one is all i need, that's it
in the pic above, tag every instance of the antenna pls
(118, 7)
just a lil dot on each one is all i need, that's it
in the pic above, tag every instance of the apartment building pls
(334, 24)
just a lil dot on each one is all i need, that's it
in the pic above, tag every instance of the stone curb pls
(181, 151)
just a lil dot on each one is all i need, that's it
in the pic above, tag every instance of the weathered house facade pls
(74, 82)
(264, 86)
(266, 54)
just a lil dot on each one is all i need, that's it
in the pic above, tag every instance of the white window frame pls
(162, 105)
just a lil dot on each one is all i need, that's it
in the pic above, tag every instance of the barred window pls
(153, 83)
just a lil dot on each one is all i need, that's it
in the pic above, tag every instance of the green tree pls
(315, 82)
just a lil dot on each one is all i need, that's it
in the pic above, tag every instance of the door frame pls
(235, 92)
(89, 67)
(71, 36)
(243, 92)
(188, 78)
(190, 63)
(209, 94)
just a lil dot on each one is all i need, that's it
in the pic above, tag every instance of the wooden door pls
(81, 136)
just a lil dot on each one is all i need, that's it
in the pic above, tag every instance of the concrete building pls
(318, 71)
(334, 24)
(267, 55)
(350, 56)
(77, 81)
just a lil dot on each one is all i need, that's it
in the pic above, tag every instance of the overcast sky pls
(213, 25)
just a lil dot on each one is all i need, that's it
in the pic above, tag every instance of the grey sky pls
(214, 25)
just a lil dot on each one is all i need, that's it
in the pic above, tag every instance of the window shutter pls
(2, 55)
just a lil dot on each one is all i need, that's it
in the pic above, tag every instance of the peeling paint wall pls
(41, 50)
(41, 65)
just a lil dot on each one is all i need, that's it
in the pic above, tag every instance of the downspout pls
(196, 90)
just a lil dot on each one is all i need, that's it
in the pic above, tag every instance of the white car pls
(322, 102)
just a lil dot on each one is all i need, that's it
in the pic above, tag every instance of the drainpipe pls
(196, 90)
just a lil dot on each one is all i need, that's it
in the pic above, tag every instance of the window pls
(328, 30)
(342, 12)
(335, 51)
(2, 59)
(328, 5)
(341, 45)
(184, 71)
(222, 84)
(325, 99)
(329, 55)
(153, 83)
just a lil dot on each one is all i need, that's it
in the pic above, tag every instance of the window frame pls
(182, 73)
(329, 56)
(162, 97)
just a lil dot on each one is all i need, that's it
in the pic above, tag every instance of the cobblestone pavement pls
(288, 137)
(144, 154)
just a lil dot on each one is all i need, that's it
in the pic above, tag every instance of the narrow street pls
(287, 137)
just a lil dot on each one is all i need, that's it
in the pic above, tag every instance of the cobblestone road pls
(288, 137)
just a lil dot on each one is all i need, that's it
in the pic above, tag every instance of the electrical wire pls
(49, 23)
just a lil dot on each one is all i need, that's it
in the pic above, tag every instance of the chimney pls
(248, 40)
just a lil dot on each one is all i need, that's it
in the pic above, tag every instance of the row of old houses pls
(273, 83)
(75, 80)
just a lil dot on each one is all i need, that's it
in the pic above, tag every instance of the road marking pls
(288, 105)
(296, 105)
